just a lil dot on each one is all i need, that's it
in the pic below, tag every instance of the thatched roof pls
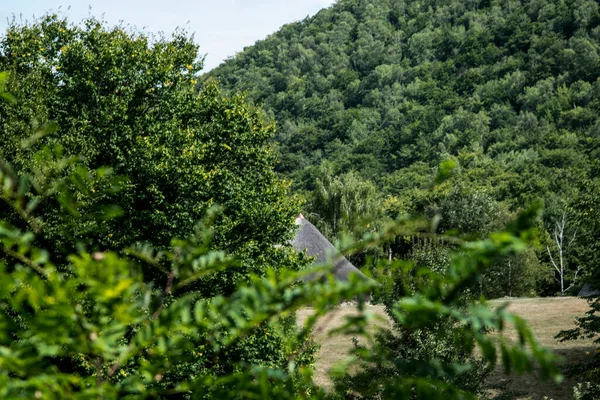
(309, 239)
(588, 291)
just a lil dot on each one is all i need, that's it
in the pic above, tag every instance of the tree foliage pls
(588, 326)
(389, 89)
(108, 149)
(124, 102)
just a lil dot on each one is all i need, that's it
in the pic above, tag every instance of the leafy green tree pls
(563, 239)
(97, 328)
(126, 156)
(394, 363)
(516, 276)
(344, 204)
(127, 101)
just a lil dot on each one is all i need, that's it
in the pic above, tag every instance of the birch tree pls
(563, 241)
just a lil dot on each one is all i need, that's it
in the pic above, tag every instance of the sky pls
(222, 28)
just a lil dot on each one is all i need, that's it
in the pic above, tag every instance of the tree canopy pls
(125, 102)
(389, 89)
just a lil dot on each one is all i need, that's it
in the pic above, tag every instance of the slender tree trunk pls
(559, 239)
(510, 285)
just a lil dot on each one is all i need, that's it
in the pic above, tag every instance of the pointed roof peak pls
(309, 239)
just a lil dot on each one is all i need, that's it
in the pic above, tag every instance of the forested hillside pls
(371, 96)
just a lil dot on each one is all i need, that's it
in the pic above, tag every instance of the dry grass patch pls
(334, 348)
(547, 317)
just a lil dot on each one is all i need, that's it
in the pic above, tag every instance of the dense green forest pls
(370, 96)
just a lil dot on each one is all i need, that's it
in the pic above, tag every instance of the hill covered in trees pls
(371, 96)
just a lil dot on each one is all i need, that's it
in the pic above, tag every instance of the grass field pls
(547, 316)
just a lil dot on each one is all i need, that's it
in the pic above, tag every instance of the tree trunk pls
(510, 288)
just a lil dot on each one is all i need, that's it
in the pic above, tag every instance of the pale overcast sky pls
(221, 28)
